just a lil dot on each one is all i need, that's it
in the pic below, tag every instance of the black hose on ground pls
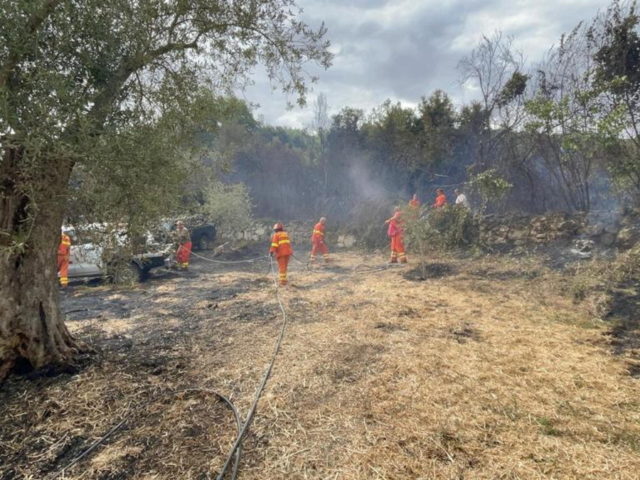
(242, 428)
(230, 262)
(238, 443)
(125, 417)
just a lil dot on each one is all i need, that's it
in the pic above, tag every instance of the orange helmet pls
(278, 226)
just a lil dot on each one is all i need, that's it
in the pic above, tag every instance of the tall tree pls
(321, 125)
(495, 68)
(437, 119)
(74, 73)
(615, 37)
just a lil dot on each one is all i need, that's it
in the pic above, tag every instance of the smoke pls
(365, 187)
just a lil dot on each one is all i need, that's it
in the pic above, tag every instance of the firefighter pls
(64, 254)
(414, 208)
(183, 245)
(317, 242)
(395, 233)
(441, 199)
(461, 199)
(281, 249)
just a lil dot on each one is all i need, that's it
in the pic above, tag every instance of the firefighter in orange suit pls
(183, 245)
(395, 233)
(414, 207)
(64, 254)
(281, 249)
(441, 199)
(317, 241)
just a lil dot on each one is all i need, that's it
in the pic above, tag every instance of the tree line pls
(561, 134)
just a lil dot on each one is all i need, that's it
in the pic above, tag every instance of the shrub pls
(228, 206)
(446, 228)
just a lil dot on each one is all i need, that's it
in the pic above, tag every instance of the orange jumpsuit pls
(64, 254)
(395, 232)
(183, 252)
(317, 242)
(441, 201)
(281, 248)
(414, 208)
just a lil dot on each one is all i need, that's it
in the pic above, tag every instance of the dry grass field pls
(485, 369)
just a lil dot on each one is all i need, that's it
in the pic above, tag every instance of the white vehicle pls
(88, 260)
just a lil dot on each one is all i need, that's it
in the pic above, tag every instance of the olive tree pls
(77, 75)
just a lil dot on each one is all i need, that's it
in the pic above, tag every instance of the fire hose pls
(125, 418)
(231, 262)
(242, 428)
(238, 443)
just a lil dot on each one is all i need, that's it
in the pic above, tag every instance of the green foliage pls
(437, 118)
(513, 88)
(228, 206)
(490, 186)
(441, 229)
(616, 77)
(112, 90)
(618, 58)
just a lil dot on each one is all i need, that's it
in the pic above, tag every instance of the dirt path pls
(484, 370)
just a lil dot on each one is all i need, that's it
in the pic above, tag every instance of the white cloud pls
(405, 49)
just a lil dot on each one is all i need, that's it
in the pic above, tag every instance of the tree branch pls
(36, 20)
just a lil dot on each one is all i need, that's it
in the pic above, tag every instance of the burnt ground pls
(482, 368)
(624, 314)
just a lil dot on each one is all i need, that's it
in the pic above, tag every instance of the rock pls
(349, 241)
(568, 226)
(583, 245)
(517, 235)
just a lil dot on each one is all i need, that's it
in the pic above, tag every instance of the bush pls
(490, 187)
(228, 206)
(446, 228)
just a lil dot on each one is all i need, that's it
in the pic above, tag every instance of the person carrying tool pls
(64, 254)
(183, 244)
(281, 249)
(441, 199)
(317, 242)
(395, 232)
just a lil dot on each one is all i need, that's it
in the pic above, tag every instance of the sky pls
(405, 49)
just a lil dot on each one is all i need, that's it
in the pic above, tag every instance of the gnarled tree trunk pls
(32, 329)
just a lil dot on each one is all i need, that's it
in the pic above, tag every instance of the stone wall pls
(605, 229)
(520, 230)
